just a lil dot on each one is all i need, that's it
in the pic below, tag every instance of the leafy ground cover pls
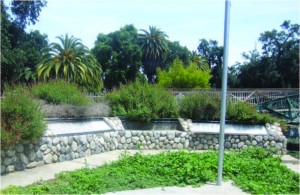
(254, 170)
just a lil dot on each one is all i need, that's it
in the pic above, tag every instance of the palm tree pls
(154, 45)
(72, 61)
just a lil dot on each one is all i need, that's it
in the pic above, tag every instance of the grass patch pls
(254, 170)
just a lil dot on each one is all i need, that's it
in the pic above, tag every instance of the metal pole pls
(224, 90)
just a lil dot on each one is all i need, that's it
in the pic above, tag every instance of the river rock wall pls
(56, 149)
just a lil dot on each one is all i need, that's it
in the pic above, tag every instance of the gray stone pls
(259, 138)
(92, 145)
(279, 146)
(171, 135)
(31, 155)
(234, 146)
(82, 140)
(54, 149)
(135, 140)
(272, 143)
(10, 153)
(62, 158)
(40, 163)
(74, 146)
(32, 165)
(142, 138)
(241, 144)
(89, 138)
(19, 166)
(123, 140)
(68, 149)
(215, 140)
(182, 140)
(19, 148)
(102, 141)
(39, 155)
(203, 141)
(68, 156)
(55, 158)
(184, 134)
(177, 140)
(161, 139)
(48, 158)
(58, 147)
(254, 143)
(209, 142)
(6, 161)
(244, 147)
(70, 140)
(55, 141)
(186, 143)
(266, 143)
(179, 146)
(42, 141)
(227, 145)
(24, 159)
(47, 151)
(43, 147)
(10, 168)
(243, 137)
(205, 146)
(156, 134)
(128, 134)
(248, 142)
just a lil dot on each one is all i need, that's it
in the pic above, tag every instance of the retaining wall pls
(61, 148)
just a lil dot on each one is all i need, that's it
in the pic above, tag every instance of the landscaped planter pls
(58, 148)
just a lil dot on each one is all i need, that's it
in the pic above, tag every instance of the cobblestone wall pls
(57, 149)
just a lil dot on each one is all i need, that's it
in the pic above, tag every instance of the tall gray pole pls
(224, 90)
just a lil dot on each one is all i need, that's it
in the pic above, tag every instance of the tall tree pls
(120, 56)
(176, 51)
(282, 47)
(72, 61)
(19, 51)
(213, 54)
(154, 46)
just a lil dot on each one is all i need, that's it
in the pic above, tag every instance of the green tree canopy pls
(154, 47)
(120, 56)
(213, 54)
(72, 61)
(179, 76)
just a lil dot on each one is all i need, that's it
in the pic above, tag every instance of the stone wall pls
(57, 149)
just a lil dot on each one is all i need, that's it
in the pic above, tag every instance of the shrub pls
(199, 106)
(179, 76)
(142, 102)
(59, 91)
(243, 111)
(21, 119)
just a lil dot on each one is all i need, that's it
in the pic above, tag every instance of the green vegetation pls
(179, 76)
(200, 106)
(154, 46)
(21, 118)
(59, 91)
(142, 102)
(254, 170)
(72, 61)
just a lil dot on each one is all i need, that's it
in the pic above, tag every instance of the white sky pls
(186, 21)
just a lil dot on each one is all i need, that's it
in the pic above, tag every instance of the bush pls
(142, 102)
(59, 91)
(21, 119)
(243, 111)
(179, 76)
(199, 106)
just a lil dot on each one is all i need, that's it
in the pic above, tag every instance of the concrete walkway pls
(47, 172)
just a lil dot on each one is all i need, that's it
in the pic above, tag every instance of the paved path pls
(46, 172)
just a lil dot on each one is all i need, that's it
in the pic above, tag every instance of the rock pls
(123, 140)
(19, 148)
(47, 151)
(128, 134)
(6, 161)
(241, 144)
(243, 137)
(184, 134)
(39, 155)
(156, 134)
(227, 145)
(10, 168)
(161, 139)
(244, 147)
(279, 146)
(177, 140)
(171, 135)
(258, 138)
(89, 138)
(179, 146)
(55, 141)
(70, 140)
(74, 146)
(32, 165)
(92, 145)
(55, 158)
(43, 147)
(186, 143)
(272, 143)
(68, 149)
(151, 146)
(20, 166)
(82, 140)
(10, 153)
(266, 143)
(31, 155)
(61, 158)
(24, 159)
(254, 143)
(215, 140)
(48, 158)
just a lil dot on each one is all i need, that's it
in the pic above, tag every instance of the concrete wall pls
(61, 148)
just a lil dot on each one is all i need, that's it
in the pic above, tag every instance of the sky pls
(186, 21)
